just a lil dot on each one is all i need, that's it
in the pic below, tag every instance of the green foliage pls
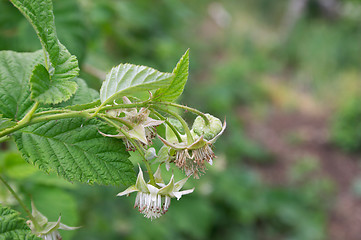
(346, 126)
(83, 95)
(74, 149)
(50, 83)
(17, 34)
(6, 123)
(13, 227)
(15, 71)
(176, 87)
(231, 203)
(46, 90)
(128, 78)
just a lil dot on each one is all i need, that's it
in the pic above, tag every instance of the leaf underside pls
(128, 78)
(75, 150)
(14, 227)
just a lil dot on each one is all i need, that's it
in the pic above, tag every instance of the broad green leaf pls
(175, 89)
(46, 89)
(128, 78)
(74, 149)
(14, 227)
(15, 71)
(84, 95)
(50, 83)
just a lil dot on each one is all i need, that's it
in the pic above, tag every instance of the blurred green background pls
(285, 74)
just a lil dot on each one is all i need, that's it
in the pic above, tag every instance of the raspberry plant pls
(60, 125)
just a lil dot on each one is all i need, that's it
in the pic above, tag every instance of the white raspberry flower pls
(154, 201)
(143, 127)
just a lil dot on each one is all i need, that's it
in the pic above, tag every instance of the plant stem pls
(38, 119)
(51, 112)
(128, 105)
(141, 152)
(29, 115)
(22, 204)
(4, 138)
(168, 123)
(190, 139)
(124, 122)
(193, 110)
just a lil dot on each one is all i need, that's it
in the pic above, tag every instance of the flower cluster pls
(154, 200)
(190, 152)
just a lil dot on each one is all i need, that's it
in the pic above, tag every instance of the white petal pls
(152, 190)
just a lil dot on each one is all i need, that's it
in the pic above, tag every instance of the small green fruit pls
(208, 131)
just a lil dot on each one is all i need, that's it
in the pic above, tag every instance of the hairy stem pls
(168, 123)
(38, 119)
(193, 110)
(190, 139)
(4, 139)
(29, 115)
(22, 204)
(124, 122)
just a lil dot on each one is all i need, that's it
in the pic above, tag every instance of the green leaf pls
(50, 83)
(14, 227)
(128, 78)
(84, 95)
(15, 71)
(175, 89)
(6, 123)
(46, 90)
(74, 149)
